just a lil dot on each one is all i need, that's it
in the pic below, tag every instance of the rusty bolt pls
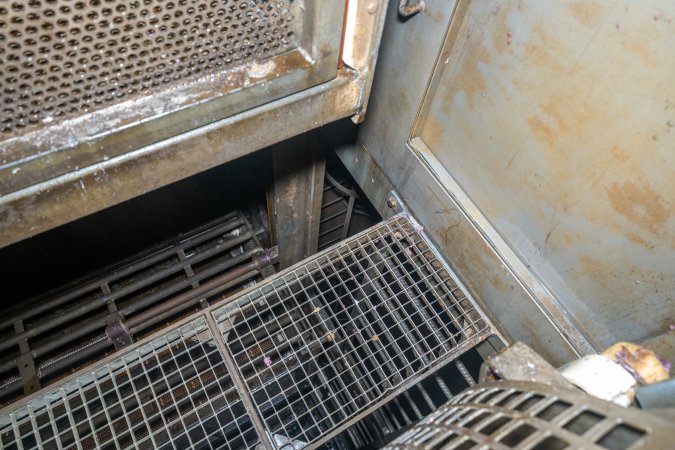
(391, 202)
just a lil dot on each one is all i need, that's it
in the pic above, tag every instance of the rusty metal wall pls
(539, 161)
(556, 119)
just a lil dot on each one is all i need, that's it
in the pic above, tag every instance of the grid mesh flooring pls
(173, 392)
(334, 336)
(311, 351)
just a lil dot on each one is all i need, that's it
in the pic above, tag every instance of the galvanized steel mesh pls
(66, 330)
(330, 338)
(312, 350)
(61, 58)
(173, 392)
(521, 415)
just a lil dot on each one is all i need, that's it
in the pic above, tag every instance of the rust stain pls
(642, 206)
(542, 131)
(591, 267)
(588, 13)
(469, 78)
(545, 50)
(643, 49)
(619, 153)
(637, 239)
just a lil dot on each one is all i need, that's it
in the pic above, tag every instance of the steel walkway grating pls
(311, 350)
(174, 392)
(322, 343)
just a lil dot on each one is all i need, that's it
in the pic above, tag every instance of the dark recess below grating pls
(60, 345)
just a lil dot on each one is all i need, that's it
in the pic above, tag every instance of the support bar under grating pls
(310, 351)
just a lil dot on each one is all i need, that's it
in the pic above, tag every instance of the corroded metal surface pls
(381, 161)
(524, 415)
(73, 195)
(556, 120)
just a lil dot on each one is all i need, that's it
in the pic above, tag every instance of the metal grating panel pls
(66, 330)
(523, 415)
(347, 329)
(62, 58)
(311, 351)
(173, 392)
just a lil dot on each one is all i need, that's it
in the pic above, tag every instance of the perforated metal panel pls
(294, 361)
(523, 415)
(64, 57)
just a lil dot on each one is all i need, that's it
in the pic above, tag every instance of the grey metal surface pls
(105, 168)
(310, 351)
(522, 415)
(519, 362)
(380, 162)
(555, 118)
(298, 167)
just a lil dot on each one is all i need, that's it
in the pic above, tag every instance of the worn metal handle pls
(406, 8)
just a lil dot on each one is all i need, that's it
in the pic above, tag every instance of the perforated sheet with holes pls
(299, 358)
(519, 415)
(60, 58)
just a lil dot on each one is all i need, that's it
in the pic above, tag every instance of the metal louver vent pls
(310, 350)
(524, 415)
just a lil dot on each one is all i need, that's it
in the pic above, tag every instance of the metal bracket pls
(117, 331)
(395, 203)
(266, 261)
(28, 374)
(25, 363)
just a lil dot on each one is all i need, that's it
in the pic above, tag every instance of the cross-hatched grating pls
(173, 392)
(298, 359)
(65, 330)
(60, 58)
(345, 330)
(520, 415)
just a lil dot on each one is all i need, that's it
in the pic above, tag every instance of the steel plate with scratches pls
(311, 351)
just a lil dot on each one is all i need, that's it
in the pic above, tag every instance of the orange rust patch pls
(637, 239)
(588, 13)
(644, 207)
(468, 79)
(544, 132)
(619, 153)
